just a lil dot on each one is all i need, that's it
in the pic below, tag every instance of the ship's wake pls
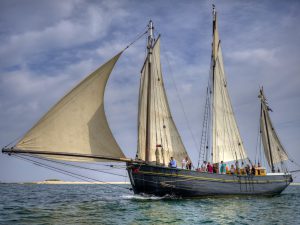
(142, 197)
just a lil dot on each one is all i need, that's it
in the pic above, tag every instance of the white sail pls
(274, 151)
(165, 140)
(227, 144)
(77, 123)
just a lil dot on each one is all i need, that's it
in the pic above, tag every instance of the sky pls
(47, 47)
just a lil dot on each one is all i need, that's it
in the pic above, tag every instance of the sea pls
(116, 204)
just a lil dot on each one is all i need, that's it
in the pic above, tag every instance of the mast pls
(148, 122)
(226, 139)
(267, 131)
(213, 57)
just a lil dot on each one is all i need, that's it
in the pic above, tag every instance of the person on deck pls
(172, 163)
(223, 168)
(189, 165)
(209, 168)
(247, 169)
(253, 170)
(242, 169)
(183, 163)
(216, 167)
(204, 167)
(232, 170)
(237, 167)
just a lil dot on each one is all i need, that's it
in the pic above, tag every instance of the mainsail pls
(77, 123)
(154, 114)
(274, 151)
(227, 144)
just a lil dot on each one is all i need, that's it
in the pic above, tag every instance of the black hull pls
(161, 181)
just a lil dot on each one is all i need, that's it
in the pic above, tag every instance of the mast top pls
(150, 34)
(214, 12)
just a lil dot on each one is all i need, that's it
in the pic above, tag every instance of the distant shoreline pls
(67, 182)
(86, 182)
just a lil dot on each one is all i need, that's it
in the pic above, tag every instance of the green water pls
(112, 204)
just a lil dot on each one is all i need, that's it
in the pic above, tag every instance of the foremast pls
(158, 137)
(149, 52)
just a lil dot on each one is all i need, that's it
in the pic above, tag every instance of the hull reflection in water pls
(161, 181)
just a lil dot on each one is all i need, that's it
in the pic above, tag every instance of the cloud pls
(83, 26)
(254, 56)
(49, 46)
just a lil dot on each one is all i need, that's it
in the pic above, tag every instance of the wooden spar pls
(148, 122)
(19, 151)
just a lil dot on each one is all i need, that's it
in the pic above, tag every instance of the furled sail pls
(164, 138)
(274, 151)
(77, 123)
(227, 144)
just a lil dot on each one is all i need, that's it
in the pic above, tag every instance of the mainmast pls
(226, 140)
(148, 122)
(214, 54)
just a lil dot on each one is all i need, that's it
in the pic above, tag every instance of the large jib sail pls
(227, 144)
(77, 123)
(273, 149)
(158, 137)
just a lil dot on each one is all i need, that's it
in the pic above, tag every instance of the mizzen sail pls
(155, 115)
(227, 144)
(77, 123)
(274, 151)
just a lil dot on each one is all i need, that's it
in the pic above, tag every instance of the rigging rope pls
(66, 172)
(136, 39)
(181, 103)
(76, 166)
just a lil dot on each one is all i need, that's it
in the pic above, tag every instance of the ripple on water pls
(95, 204)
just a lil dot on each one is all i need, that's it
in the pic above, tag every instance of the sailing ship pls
(76, 129)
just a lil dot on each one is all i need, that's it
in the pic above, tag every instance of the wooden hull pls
(163, 181)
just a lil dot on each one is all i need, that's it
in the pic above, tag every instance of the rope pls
(181, 104)
(76, 166)
(66, 172)
(136, 39)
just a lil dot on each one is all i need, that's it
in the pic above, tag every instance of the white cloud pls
(255, 56)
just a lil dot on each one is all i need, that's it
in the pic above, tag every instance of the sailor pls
(172, 163)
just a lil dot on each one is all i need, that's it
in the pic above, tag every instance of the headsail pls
(227, 144)
(77, 123)
(274, 151)
(164, 139)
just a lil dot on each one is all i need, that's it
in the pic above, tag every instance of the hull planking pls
(161, 181)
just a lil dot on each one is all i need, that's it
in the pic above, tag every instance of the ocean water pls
(114, 204)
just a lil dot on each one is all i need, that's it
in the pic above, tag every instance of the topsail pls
(77, 123)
